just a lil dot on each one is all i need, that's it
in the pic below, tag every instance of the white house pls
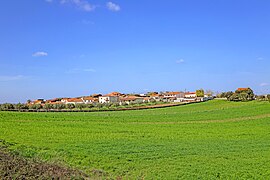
(190, 95)
(108, 99)
(72, 101)
(88, 100)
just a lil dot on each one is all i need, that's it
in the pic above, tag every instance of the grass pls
(215, 139)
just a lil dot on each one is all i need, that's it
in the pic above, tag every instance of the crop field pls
(215, 139)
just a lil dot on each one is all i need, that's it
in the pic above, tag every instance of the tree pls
(35, 106)
(18, 106)
(48, 106)
(200, 93)
(59, 106)
(245, 94)
(209, 92)
(7, 106)
(79, 106)
(261, 98)
(268, 97)
(70, 106)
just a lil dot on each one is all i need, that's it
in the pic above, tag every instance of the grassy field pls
(215, 139)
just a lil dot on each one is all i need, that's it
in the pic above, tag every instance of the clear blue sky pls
(66, 48)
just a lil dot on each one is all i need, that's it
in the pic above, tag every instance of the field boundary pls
(104, 110)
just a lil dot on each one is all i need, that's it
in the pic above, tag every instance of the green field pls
(215, 139)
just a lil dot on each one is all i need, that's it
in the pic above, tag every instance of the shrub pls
(7, 106)
(70, 106)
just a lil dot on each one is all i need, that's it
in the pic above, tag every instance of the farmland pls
(215, 139)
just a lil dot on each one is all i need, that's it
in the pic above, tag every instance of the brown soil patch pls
(14, 167)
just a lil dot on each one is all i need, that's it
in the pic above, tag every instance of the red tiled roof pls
(172, 93)
(89, 98)
(74, 100)
(190, 93)
(130, 98)
(242, 89)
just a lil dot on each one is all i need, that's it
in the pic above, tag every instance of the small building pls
(132, 99)
(72, 101)
(108, 99)
(38, 101)
(88, 100)
(190, 95)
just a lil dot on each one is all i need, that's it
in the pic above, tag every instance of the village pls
(127, 99)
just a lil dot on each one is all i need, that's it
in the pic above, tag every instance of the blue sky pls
(66, 48)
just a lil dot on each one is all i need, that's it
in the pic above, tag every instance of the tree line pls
(47, 106)
(243, 95)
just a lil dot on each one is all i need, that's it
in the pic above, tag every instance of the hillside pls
(215, 139)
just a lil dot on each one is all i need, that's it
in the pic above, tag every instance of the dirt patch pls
(209, 121)
(14, 167)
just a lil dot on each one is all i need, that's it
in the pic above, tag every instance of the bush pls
(80, 106)
(70, 106)
(90, 106)
(59, 106)
(268, 97)
(20, 106)
(48, 106)
(35, 106)
(7, 106)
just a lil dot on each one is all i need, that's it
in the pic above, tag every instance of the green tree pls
(80, 106)
(7, 106)
(268, 97)
(18, 106)
(70, 106)
(48, 106)
(200, 93)
(36, 106)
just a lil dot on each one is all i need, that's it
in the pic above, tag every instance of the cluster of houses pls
(116, 97)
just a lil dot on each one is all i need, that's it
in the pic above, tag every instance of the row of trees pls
(19, 106)
(263, 97)
(243, 95)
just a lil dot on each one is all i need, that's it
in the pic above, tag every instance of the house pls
(72, 101)
(173, 97)
(147, 99)
(114, 94)
(38, 101)
(190, 95)
(242, 89)
(171, 94)
(54, 101)
(108, 99)
(168, 99)
(88, 100)
(156, 97)
(131, 99)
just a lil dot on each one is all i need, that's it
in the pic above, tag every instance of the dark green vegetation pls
(215, 139)
(71, 107)
(16, 167)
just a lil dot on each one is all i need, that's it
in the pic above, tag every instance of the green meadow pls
(209, 140)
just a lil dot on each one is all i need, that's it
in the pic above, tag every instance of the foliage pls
(242, 95)
(48, 106)
(261, 98)
(70, 106)
(35, 106)
(80, 106)
(200, 93)
(225, 94)
(268, 97)
(7, 106)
